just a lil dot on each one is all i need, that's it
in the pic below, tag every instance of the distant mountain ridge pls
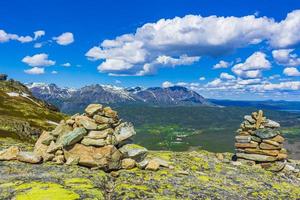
(72, 100)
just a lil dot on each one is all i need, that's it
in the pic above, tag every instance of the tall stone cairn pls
(259, 140)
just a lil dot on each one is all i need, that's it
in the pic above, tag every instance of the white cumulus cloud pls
(193, 36)
(39, 34)
(38, 60)
(291, 71)
(221, 64)
(226, 76)
(64, 39)
(286, 57)
(35, 71)
(66, 64)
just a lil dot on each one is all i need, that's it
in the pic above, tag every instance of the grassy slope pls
(17, 111)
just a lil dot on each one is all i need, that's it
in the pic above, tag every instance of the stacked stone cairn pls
(259, 140)
(96, 139)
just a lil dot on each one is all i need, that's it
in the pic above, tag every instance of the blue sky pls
(154, 43)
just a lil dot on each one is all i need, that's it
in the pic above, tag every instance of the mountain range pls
(73, 100)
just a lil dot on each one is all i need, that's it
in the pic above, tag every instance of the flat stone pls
(128, 163)
(272, 142)
(103, 120)
(93, 109)
(271, 124)
(259, 119)
(269, 146)
(251, 144)
(266, 133)
(282, 156)
(40, 148)
(10, 153)
(100, 134)
(103, 126)
(124, 131)
(87, 123)
(134, 151)
(262, 151)
(256, 157)
(152, 165)
(47, 140)
(249, 119)
(274, 166)
(162, 162)
(29, 157)
(242, 139)
(93, 142)
(73, 137)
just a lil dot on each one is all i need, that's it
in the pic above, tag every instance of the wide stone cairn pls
(259, 140)
(95, 139)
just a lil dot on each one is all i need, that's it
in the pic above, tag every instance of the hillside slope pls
(22, 115)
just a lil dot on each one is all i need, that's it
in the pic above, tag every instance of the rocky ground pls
(194, 175)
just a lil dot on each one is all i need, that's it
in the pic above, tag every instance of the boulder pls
(29, 157)
(256, 157)
(90, 156)
(93, 142)
(124, 131)
(93, 109)
(72, 137)
(134, 151)
(128, 163)
(9, 154)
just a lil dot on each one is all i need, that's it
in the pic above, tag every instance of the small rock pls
(266, 133)
(142, 164)
(70, 122)
(152, 165)
(53, 147)
(278, 138)
(47, 140)
(256, 157)
(220, 156)
(59, 152)
(267, 146)
(87, 123)
(128, 163)
(60, 130)
(251, 144)
(10, 153)
(100, 134)
(101, 127)
(108, 112)
(242, 139)
(249, 119)
(103, 120)
(59, 159)
(124, 131)
(72, 137)
(162, 162)
(271, 124)
(29, 157)
(93, 109)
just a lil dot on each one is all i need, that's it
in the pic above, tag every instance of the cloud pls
(226, 76)
(38, 60)
(202, 78)
(221, 64)
(54, 72)
(253, 66)
(291, 71)
(286, 58)
(192, 36)
(66, 64)
(167, 84)
(64, 39)
(35, 71)
(38, 34)
(38, 45)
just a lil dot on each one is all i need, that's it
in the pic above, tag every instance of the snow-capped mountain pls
(70, 100)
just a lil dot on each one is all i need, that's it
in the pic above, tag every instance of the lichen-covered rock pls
(93, 109)
(134, 151)
(93, 142)
(128, 163)
(72, 137)
(124, 131)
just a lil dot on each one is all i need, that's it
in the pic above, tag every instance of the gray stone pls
(255, 138)
(271, 124)
(103, 120)
(266, 133)
(87, 123)
(93, 109)
(103, 126)
(60, 130)
(249, 119)
(124, 131)
(93, 142)
(162, 162)
(134, 151)
(242, 139)
(256, 157)
(72, 160)
(10, 153)
(142, 164)
(53, 147)
(100, 134)
(48, 140)
(73, 137)
(29, 157)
